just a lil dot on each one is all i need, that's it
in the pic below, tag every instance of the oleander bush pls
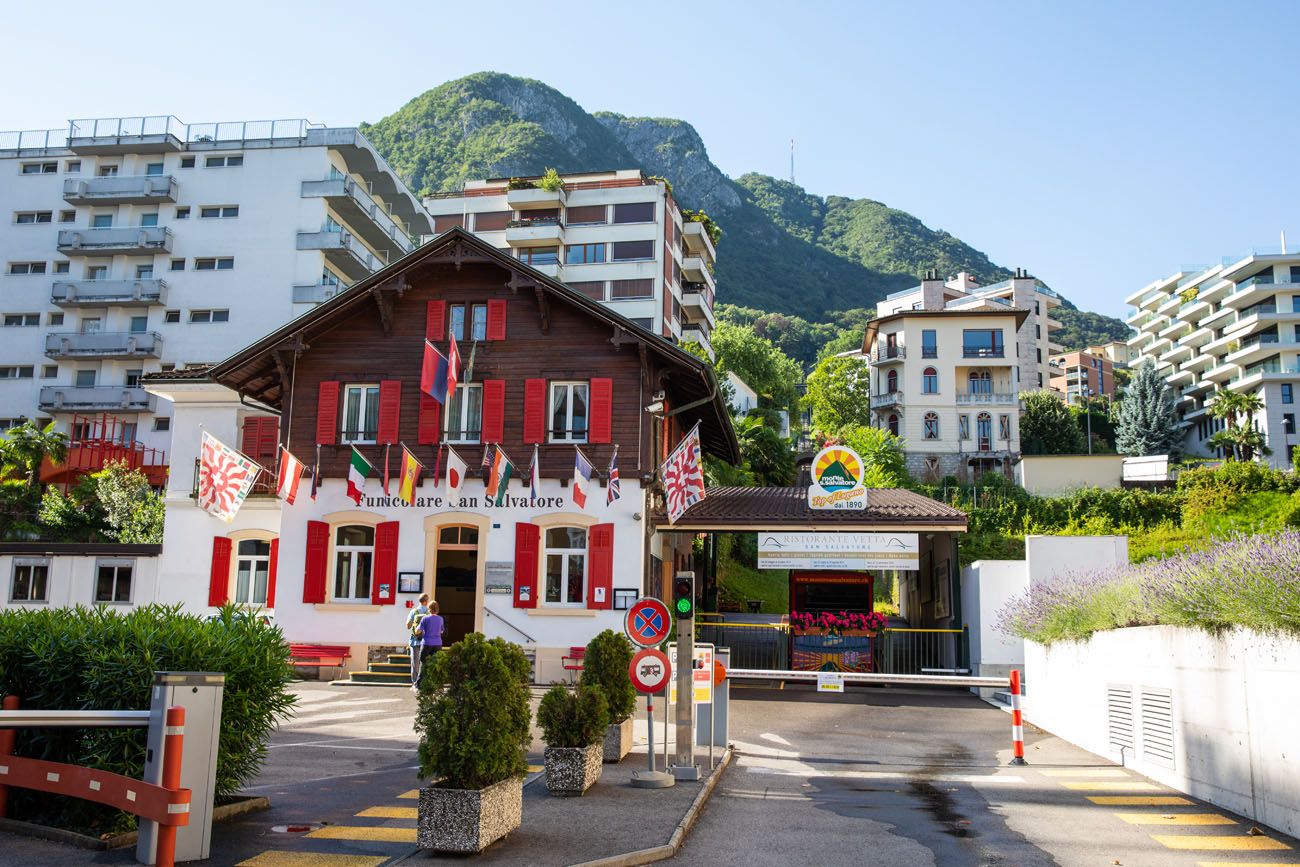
(573, 718)
(102, 659)
(606, 665)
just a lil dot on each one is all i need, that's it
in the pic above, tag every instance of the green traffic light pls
(683, 606)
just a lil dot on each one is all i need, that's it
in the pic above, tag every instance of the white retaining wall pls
(1234, 704)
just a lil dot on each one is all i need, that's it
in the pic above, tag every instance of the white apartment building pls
(138, 244)
(617, 237)
(1233, 326)
(1034, 343)
(947, 380)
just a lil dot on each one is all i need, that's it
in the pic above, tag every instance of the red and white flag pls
(286, 484)
(456, 468)
(683, 474)
(225, 478)
(453, 368)
(581, 479)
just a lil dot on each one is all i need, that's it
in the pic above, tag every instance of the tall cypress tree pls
(1148, 424)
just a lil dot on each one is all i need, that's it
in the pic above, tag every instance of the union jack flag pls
(225, 477)
(612, 491)
(683, 475)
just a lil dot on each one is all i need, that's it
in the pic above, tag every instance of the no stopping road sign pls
(650, 670)
(648, 622)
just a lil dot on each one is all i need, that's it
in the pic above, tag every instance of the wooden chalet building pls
(551, 369)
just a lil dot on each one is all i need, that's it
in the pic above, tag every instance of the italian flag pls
(358, 469)
(499, 477)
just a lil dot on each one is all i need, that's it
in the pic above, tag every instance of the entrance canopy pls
(757, 509)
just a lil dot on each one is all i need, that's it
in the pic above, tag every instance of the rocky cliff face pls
(674, 150)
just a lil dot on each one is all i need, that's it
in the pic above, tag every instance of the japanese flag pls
(456, 468)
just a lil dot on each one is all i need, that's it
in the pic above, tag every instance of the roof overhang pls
(734, 509)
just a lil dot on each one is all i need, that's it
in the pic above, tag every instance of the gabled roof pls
(787, 508)
(873, 326)
(256, 371)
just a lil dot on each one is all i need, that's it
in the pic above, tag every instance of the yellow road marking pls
(532, 769)
(1175, 819)
(1108, 786)
(1139, 801)
(1237, 841)
(276, 858)
(411, 795)
(389, 813)
(354, 832)
(1086, 772)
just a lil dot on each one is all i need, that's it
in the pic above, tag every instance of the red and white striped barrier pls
(1017, 723)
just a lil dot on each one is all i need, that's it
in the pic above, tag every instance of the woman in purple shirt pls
(431, 630)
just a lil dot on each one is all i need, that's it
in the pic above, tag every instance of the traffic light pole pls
(684, 767)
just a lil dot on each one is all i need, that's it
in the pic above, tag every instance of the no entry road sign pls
(648, 622)
(650, 670)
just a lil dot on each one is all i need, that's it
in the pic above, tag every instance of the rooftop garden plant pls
(550, 181)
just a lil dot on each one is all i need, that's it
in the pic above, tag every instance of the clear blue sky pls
(1100, 145)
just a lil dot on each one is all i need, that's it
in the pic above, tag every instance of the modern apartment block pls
(1234, 326)
(1033, 345)
(617, 237)
(1082, 373)
(947, 380)
(138, 244)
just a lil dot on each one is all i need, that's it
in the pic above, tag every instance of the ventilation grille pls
(1119, 717)
(1158, 726)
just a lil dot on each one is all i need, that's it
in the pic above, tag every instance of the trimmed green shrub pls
(606, 665)
(575, 718)
(1291, 517)
(100, 659)
(473, 716)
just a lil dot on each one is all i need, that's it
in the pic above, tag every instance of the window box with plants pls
(473, 720)
(834, 642)
(606, 665)
(573, 725)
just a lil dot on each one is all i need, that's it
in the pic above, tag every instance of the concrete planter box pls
(618, 741)
(571, 771)
(469, 820)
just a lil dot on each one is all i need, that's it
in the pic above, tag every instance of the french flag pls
(433, 374)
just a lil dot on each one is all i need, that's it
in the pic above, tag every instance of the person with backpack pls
(413, 619)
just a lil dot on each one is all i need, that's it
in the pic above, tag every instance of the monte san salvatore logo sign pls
(837, 480)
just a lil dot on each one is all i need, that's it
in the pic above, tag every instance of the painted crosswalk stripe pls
(388, 813)
(1139, 801)
(1212, 842)
(1085, 772)
(411, 795)
(355, 832)
(1175, 819)
(532, 769)
(1108, 786)
(278, 858)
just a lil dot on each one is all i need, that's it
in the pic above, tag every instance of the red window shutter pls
(270, 574)
(600, 429)
(327, 413)
(494, 410)
(385, 574)
(219, 582)
(527, 542)
(534, 410)
(260, 440)
(317, 562)
(390, 410)
(435, 323)
(430, 428)
(496, 322)
(600, 566)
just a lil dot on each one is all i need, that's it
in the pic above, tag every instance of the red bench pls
(318, 654)
(574, 661)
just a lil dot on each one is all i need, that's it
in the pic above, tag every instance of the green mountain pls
(783, 249)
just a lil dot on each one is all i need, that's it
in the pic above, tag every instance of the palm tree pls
(26, 447)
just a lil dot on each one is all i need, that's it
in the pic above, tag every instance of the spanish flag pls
(410, 475)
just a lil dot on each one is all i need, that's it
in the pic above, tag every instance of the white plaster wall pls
(1049, 556)
(1050, 475)
(986, 586)
(71, 580)
(1234, 706)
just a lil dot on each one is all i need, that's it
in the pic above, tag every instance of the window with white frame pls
(30, 581)
(17, 371)
(221, 162)
(568, 412)
(566, 566)
(931, 428)
(218, 212)
(477, 314)
(209, 316)
(354, 558)
(27, 218)
(360, 414)
(214, 263)
(252, 571)
(40, 168)
(21, 268)
(113, 580)
(465, 414)
(21, 320)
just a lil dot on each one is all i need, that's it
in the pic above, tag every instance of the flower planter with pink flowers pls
(831, 642)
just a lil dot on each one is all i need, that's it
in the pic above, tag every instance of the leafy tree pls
(1047, 427)
(115, 503)
(1239, 439)
(839, 393)
(1094, 413)
(763, 367)
(883, 465)
(25, 448)
(1147, 422)
(767, 455)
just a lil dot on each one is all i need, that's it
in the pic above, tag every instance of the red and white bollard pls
(1017, 723)
(173, 742)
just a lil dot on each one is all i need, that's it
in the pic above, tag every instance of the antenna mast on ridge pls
(792, 161)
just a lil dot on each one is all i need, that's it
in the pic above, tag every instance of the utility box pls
(200, 693)
(711, 719)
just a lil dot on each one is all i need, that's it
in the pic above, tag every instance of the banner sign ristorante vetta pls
(839, 551)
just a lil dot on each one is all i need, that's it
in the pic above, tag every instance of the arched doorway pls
(455, 578)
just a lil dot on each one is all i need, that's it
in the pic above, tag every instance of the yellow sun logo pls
(837, 469)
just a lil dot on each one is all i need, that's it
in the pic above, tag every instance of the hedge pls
(102, 659)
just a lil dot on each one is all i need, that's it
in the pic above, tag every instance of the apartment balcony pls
(696, 237)
(1198, 337)
(888, 355)
(107, 136)
(1174, 329)
(1176, 353)
(127, 240)
(103, 344)
(547, 232)
(109, 293)
(698, 335)
(1221, 372)
(987, 399)
(1254, 290)
(1252, 349)
(1203, 361)
(1254, 378)
(100, 398)
(695, 269)
(120, 190)
(343, 251)
(368, 218)
(697, 302)
(1153, 299)
(887, 400)
(316, 293)
(535, 198)
(1181, 377)
(992, 353)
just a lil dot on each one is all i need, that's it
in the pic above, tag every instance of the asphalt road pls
(909, 777)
